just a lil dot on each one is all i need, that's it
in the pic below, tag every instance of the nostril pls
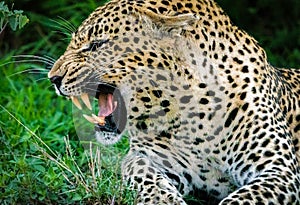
(56, 80)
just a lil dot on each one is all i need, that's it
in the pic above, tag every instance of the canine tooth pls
(100, 120)
(89, 118)
(76, 102)
(86, 100)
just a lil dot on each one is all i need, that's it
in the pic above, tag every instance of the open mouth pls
(111, 116)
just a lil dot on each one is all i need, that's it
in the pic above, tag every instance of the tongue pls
(106, 105)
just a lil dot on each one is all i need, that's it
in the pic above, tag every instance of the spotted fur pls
(205, 111)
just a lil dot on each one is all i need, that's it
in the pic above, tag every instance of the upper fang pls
(86, 100)
(76, 102)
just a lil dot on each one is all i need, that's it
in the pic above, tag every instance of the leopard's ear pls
(174, 21)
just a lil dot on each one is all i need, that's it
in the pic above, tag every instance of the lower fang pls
(100, 120)
(89, 118)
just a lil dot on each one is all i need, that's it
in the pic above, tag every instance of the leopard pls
(205, 111)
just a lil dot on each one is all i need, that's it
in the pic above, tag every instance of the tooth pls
(115, 105)
(86, 100)
(76, 102)
(89, 118)
(100, 120)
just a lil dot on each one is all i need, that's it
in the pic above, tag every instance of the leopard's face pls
(118, 56)
(91, 68)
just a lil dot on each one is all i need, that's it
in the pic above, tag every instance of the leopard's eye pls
(94, 45)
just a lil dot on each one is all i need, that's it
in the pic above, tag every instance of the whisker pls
(61, 29)
(29, 61)
(70, 25)
(63, 33)
(48, 87)
(45, 78)
(65, 27)
(44, 59)
(33, 71)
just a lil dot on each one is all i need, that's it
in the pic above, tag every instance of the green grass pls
(42, 160)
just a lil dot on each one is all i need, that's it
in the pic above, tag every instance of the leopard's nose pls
(56, 80)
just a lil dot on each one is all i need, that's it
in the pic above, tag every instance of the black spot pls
(165, 103)
(253, 157)
(157, 93)
(198, 141)
(189, 5)
(116, 19)
(265, 143)
(297, 128)
(245, 69)
(173, 88)
(224, 58)
(141, 162)
(231, 117)
(238, 60)
(241, 52)
(244, 146)
(162, 9)
(173, 177)
(125, 39)
(148, 182)
(179, 5)
(137, 58)
(163, 146)
(230, 79)
(136, 39)
(145, 99)
(202, 85)
(135, 109)
(141, 126)
(188, 177)
(268, 154)
(165, 134)
(166, 163)
(165, 3)
(160, 113)
(247, 41)
(150, 61)
(185, 99)
(243, 95)
(203, 101)
(153, 54)
(91, 30)
(201, 115)
(262, 166)
(161, 77)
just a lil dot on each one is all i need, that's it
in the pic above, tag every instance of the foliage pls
(14, 18)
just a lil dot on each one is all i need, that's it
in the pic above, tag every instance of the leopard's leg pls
(152, 185)
(279, 183)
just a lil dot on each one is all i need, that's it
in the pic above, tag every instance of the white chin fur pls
(107, 138)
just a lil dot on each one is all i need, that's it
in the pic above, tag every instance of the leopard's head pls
(122, 55)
